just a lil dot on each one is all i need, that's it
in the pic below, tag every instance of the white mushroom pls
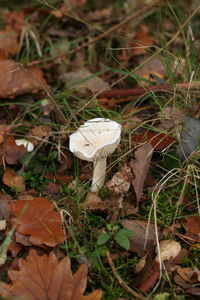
(28, 145)
(94, 141)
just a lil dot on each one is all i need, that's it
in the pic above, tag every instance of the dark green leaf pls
(103, 238)
(122, 240)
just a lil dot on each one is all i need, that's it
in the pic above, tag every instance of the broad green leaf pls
(103, 238)
(122, 240)
(126, 232)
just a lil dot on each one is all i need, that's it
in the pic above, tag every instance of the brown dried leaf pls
(39, 132)
(78, 79)
(143, 41)
(93, 203)
(15, 182)
(189, 274)
(140, 167)
(38, 219)
(170, 117)
(44, 277)
(5, 199)
(4, 129)
(11, 152)
(139, 237)
(121, 181)
(17, 81)
(15, 20)
(9, 42)
(192, 227)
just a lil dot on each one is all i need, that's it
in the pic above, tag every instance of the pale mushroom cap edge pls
(95, 139)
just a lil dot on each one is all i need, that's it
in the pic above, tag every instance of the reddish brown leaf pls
(189, 274)
(11, 152)
(140, 167)
(150, 282)
(192, 227)
(158, 140)
(5, 199)
(17, 81)
(44, 277)
(39, 132)
(143, 41)
(15, 20)
(15, 182)
(4, 129)
(60, 178)
(9, 42)
(39, 220)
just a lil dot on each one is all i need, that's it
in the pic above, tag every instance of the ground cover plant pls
(134, 232)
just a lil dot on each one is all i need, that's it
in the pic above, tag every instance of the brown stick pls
(142, 90)
(119, 279)
(101, 36)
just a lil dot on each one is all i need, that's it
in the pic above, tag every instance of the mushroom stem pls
(98, 174)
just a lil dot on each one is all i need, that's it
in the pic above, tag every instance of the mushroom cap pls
(28, 145)
(95, 139)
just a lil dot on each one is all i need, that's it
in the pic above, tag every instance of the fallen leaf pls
(10, 151)
(159, 141)
(143, 41)
(140, 166)
(83, 80)
(168, 248)
(9, 42)
(121, 181)
(60, 178)
(5, 199)
(15, 182)
(192, 227)
(4, 129)
(154, 67)
(191, 275)
(17, 81)
(38, 133)
(38, 219)
(170, 117)
(15, 20)
(93, 203)
(141, 242)
(44, 277)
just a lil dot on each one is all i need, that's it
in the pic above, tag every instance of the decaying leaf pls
(17, 81)
(170, 117)
(189, 274)
(38, 219)
(9, 42)
(140, 167)
(44, 277)
(10, 151)
(159, 141)
(140, 241)
(144, 41)
(153, 68)
(168, 248)
(15, 182)
(4, 129)
(38, 133)
(83, 80)
(121, 181)
(192, 227)
(93, 203)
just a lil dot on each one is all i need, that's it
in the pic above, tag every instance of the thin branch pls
(119, 279)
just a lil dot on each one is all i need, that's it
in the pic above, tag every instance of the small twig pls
(101, 36)
(119, 279)
(142, 90)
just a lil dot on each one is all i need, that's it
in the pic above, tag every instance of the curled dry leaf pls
(168, 248)
(15, 182)
(15, 80)
(140, 167)
(189, 274)
(38, 219)
(121, 181)
(44, 277)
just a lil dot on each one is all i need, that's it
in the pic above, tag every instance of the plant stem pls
(99, 174)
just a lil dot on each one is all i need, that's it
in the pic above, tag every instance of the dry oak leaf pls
(121, 181)
(140, 167)
(16, 81)
(192, 227)
(15, 182)
(39, 132)
(38, 219)
(10, 151)
(44, 277)
(9, 42)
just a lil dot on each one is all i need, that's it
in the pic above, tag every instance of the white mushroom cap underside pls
(97, 138)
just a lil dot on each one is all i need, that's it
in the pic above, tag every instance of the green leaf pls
(103, 238)
(126, 232)
(122, 240)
